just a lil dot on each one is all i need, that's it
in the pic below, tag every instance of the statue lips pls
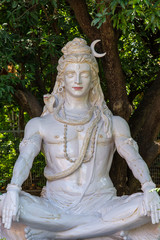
(77, 88)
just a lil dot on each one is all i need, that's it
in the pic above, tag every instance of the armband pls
(13, 187)
(131, 142)
(149, 184)
(32, 140)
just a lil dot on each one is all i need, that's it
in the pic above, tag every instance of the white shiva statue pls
(78, 135)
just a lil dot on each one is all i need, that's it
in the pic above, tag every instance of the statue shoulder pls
(37, 125)
(33, 127)
(120, 126)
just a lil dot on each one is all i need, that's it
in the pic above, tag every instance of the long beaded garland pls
(86, 159)
(91, 131)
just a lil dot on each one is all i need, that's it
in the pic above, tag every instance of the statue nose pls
(78, 79)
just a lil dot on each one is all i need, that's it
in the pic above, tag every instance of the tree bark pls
(28, 102)
(116, 87)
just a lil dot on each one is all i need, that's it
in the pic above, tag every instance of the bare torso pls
(95, 172)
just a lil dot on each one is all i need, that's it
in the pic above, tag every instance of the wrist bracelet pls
(149, 184)
(13, 187)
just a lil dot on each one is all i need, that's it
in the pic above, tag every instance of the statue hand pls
(152, 205)
(10, 208)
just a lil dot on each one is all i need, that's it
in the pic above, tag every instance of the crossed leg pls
(47, 222)
(126, 215)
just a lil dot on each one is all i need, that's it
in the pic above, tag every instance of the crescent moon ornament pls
(98, 55)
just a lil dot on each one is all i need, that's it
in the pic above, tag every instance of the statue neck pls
(78, 104)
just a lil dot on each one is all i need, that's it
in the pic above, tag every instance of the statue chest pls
(63, 145)
(58, 133)
(61, 139)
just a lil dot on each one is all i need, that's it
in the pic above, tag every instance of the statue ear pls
(49, 101)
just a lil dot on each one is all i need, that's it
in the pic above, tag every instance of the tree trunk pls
(28, 102)
(116, 87)
(145, 125)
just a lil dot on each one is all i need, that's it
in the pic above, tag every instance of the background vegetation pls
(32, 33)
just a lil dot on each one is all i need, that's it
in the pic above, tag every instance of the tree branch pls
(81, 13)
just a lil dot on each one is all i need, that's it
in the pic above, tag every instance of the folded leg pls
(125, 214)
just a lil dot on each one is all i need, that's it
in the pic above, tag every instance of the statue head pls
(77, 51)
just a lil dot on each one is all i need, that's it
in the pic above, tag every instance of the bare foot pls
(124, 235)
(37, 234)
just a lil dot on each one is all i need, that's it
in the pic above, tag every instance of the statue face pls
(77, 79)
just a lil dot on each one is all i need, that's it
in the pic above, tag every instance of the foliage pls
(139, 65)
(155, 189)
(124, 13)
(30, 47)
(8, 144)
(9, 149)
(139, 21)
(10, 137)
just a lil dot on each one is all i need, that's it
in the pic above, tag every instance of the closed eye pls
(85, 74)
(70, 74)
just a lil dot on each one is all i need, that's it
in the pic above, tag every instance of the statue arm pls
(128, 149)
(29, 149)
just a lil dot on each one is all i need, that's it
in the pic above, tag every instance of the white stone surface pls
(79, 135)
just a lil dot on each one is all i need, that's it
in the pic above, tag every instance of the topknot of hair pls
(76, 46)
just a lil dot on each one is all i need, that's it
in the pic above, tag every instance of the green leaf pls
(122, 4)
(95, 21)
(99, 14)
(14, 4)
(152, 18)
(54, 3)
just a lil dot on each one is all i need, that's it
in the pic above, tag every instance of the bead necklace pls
(86, 159)
(91, 132)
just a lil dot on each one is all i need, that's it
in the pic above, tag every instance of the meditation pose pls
(78, 135)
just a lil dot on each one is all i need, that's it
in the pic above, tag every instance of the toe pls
(27, 230)
(29, 238)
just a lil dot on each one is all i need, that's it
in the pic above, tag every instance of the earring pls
(61, 88)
